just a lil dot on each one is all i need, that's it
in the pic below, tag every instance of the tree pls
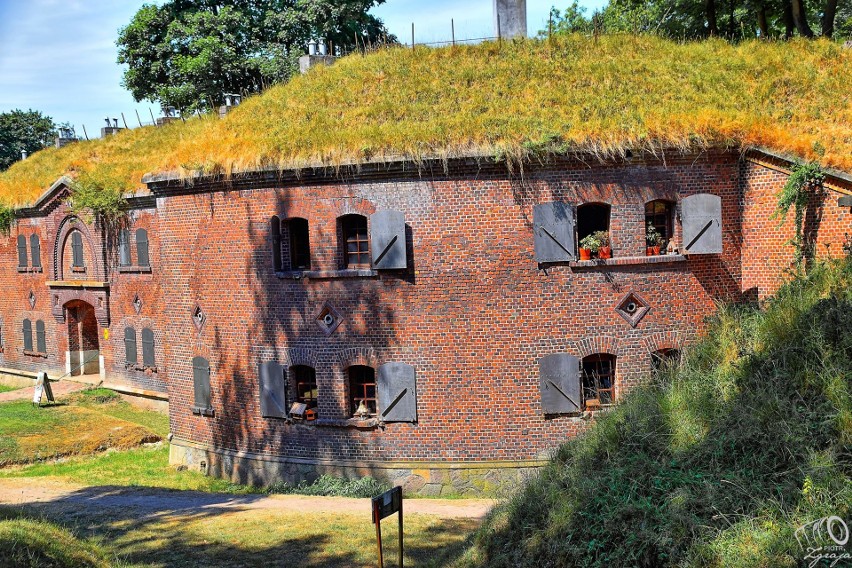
(21, 131)
(189, 53)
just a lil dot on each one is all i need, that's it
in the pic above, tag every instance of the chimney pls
(232, 100)
(169, 115)
(317, 55)
(110, 128)
(66, 136)
(23, 154)
(510, 18)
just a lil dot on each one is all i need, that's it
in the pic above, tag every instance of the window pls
(356, 245)
(591, 218)
(35, 250)
(275, 234)
(27, 328)
(663, 358)
(124, 248)
(599, 379)
(22, 251)
(300, 248)
(660, 214)
(362, 388)
(41, 338)
(142, 248)
(201, 387)
(305, 383)
(148, 348)
(130, 345)
(77, 250)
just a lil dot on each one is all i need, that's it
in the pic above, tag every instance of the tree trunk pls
(762, 22)
(828, 18)
(732, 28)
(800, 18)
(789, 25)
(710, 8)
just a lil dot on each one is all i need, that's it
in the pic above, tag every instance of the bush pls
(329, 486)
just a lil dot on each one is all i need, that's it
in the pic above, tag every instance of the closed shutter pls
(142, 248)
(559, 381)
(76, 249)
(35, 250)
(553, 229)
(397, 394)
(273, 390)
(130, 345)
(275, 230)
(387, 240)
(27, 329)
(41, 338)
(124, 248)
(22, 251)
(201, 384)
(701, 215)
(147, 347)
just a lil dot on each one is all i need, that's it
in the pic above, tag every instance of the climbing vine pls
(804, 179)
(7, 217)
(101, 196)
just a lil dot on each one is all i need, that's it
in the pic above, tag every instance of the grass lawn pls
(5, 388)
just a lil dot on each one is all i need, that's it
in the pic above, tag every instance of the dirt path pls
(47, 493)
(59, 388)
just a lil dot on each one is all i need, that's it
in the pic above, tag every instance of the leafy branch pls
(803, 180)
(7, 217)
(101, 196)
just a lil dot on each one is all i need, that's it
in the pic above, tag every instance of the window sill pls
(368, 423)
(78, 270)
(327, 274)
(202, 411)
(134, 269)
(628, 261)
(142, 368)
(30, 270)
(35, 354)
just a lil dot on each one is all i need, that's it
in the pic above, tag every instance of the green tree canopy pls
(189, 53)
(20, 131)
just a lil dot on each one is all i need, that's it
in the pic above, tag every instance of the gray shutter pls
(41, 339)
(275, 229)
(273, 389)
(701, 215)
(130, 345)
(77, 249)
(201, 384)
(553, 227)
(560, 384)
(147, 347)
(124, 248)
(22, 251)
(142, 248)
(396, 393)
(28, 335)
(35, 249)
(387, 240)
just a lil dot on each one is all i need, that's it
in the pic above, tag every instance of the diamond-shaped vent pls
(632, 308)
(328, 319)
(32, 299)
(137, 304)
(198, 317)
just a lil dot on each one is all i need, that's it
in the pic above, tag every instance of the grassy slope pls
(600, 95)
(715, 464)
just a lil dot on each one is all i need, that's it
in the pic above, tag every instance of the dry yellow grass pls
(581, 94)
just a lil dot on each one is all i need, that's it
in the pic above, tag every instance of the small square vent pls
(632, 308)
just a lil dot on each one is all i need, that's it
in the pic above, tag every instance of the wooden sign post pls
(386, 504)
(42, 387)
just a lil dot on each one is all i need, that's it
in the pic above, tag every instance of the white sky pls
(58, 56)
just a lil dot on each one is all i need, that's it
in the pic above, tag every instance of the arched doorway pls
(83, 355)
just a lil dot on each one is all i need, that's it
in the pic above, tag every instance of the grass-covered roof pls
(600, 95)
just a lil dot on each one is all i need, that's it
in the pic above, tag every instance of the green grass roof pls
(575, 93)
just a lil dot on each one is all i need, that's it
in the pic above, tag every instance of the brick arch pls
(598, 344)
(66, 227)
(357, 356)
(98, 299)
(663, 340)
(300, 356)
(354, 207)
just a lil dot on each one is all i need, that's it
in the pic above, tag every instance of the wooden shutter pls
(553, 228)
(147, 347)
(397, 394)
(41, 338)
(273, 390)
(124, 248)
(275, 233)
(130, 345)
(27, 329)
(22, 251)
(701, 215)
(201, 384)
(560, 384)
(387, 240)
(77, 249)
(142, 248)
(35, 250)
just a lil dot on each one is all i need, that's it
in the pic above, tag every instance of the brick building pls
(432, 324)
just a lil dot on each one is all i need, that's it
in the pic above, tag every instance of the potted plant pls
(653, 239)
(605, 250)
(589, 245)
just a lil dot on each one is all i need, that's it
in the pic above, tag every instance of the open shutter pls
(130, 345)
(701, 215)
(22, 251)
(27, 329)
(275, 233)
(387, 240)
(41, 338)
(35, 250)
(124, 248)
(273, 390)
(553, 227)
(76, 249)
(147, 347)
(397, 395)
(201, 384)
(559, 376)
(142, 248)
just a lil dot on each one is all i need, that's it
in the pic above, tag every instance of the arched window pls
(275, 236)
(659, 214)
(592, 218)
(142, 258)
(41, 337)
(664, 358)
(147, 347)
(599, 379)
(362, 388)
(77, 250)
(305, 384)
(130, 345)
(35, 250)
(300, 247)
(22, 251)
(27, 329)
(355, 241)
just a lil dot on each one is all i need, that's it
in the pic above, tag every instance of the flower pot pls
(652, 251)
(605, 252)
(585, 254)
